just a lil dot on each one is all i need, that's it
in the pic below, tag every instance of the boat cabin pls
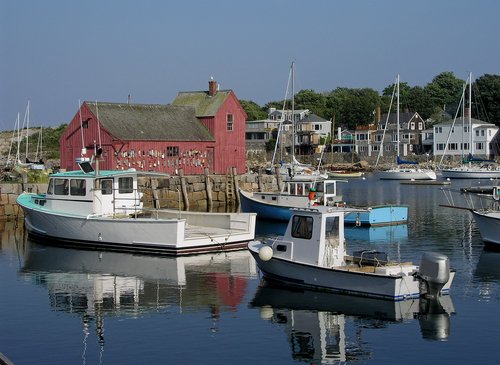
(323, 191)
(104, 193)
(313, 238)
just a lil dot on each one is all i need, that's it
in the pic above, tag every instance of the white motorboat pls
(312, 253)
(294, 194)
(104, 209)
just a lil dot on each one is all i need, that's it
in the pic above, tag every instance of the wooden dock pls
(478, 189)
(426, 182)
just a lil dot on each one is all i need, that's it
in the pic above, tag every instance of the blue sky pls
(57, 52)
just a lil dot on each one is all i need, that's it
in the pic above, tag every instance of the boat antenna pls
(84, 150)
(98, 124)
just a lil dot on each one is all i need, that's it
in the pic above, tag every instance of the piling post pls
(208, 189)
(154, 188)
(278, 178)
(260, 181)
(184, 189)
(236, 185)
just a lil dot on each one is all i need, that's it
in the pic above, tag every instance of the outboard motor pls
(433, 274)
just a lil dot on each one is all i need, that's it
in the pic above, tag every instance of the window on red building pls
(229, 119)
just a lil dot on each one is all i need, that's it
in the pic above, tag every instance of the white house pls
(459, 139)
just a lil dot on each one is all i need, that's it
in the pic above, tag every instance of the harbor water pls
(70, 306)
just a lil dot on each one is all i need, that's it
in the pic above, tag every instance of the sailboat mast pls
(397, 113)
(27, 128)
(470, 113)
(293, 109)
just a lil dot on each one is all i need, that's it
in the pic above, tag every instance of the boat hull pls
(273, 206)
(469, 173)
(378, 216)
(172, 236)
(344, 174)
(395, 288)
(488, 224)
(407, 174)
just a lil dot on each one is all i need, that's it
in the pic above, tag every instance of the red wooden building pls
(200, 129)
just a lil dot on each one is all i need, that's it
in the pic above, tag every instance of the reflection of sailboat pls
(316, 322)
(96, 285)
(377, 234)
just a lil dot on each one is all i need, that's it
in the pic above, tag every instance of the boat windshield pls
(302, 227)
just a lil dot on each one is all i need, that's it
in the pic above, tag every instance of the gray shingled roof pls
(205, 105)
(312, 118)
(150, 122)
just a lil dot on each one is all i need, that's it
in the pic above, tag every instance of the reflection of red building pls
(202, 129)
(230, 289)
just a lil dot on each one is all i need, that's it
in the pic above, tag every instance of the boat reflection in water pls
(377, 234)
(487, 274)
(315, 322)
(96, 284)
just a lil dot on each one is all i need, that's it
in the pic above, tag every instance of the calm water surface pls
(67, 306)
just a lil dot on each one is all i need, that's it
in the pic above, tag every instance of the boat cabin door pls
(103, 196)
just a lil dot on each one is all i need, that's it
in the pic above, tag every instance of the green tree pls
(309, 99)
(352, 107)
(253, 110)
(445, 91)
(486, 97)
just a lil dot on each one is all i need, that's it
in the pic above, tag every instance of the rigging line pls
(479, 100)
(12, 139)
(453, 124)
(280, 128)
(380, 151)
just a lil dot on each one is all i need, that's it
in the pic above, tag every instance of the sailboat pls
(294, 170)
(401, 171)
(472, 167)
(26, 164)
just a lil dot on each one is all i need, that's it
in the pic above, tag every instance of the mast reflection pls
(315, 322)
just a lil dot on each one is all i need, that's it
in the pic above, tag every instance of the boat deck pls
(197, 232)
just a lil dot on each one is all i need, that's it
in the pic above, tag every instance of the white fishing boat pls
(402, 170)
(276, 205)
(312, 254)
(104, 210)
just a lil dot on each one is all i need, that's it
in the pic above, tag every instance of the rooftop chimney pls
(378, 114)
(212, 87)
